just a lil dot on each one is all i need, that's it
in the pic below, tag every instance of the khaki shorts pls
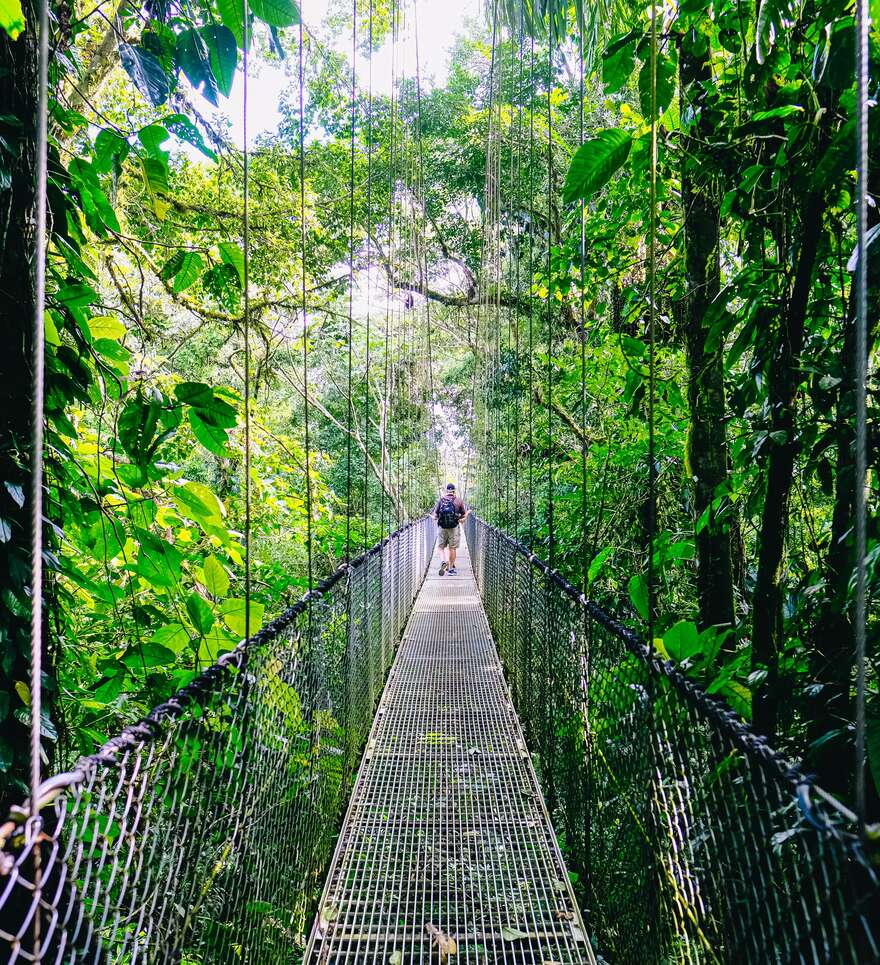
(449, 537)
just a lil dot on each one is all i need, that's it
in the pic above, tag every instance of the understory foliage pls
(464, 267)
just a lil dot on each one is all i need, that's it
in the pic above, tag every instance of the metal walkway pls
(447, 853)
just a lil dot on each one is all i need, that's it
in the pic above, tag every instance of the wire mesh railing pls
(694, 840)
(202, 833)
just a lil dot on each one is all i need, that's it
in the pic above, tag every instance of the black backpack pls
(447, 514)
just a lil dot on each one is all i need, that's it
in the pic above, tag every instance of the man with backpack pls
(449, 512)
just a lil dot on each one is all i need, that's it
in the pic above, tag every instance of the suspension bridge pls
(406, 768)
(579, 801)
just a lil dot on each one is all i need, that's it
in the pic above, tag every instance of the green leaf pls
(598, 563)
(184, 267)
(158, 562)
(11, 17)
(109, 147)
(137, 427)
(174, 636)
(200, 613)
(210, 407)
(276, 13)
(618, 61)
(222, 56)
(106, 326)
(785, 111)
(638, 593)
(190, 269)
(232, 255)
(194, 61)
(233, 612)
(213, 438)
(184, 129)
(682, 641)
(774, 17)
(666, 70)
(198, 503)
(215, 577)
(148, 655)
(216, 641)
(595, 162)
(231, 14)
(153, 137)
(512, 934)
(146, 73)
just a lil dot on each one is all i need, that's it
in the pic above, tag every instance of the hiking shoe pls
(443, 567)
(452, 571)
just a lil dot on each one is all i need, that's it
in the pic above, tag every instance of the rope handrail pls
(694, 839)
(726, 718)
(205, 827)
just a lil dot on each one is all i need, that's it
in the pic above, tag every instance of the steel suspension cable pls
(861, 376)
(583, 314)
(245, 238)
(423, 265)
(38, 389)
(349, 402)
(531, 335)
(551, 549)
(366, 528)
(305, 313)
(652, 303)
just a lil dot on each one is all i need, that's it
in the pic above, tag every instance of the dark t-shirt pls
(458, 504)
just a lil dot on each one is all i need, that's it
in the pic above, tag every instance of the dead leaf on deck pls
(445, 944)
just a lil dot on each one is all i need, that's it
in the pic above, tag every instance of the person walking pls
(449, 512)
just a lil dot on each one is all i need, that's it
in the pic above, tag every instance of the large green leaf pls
(213, 438)
(182, 127)
(618, 61)
(774, 17)
(195, 62)
(184, 267)
(231, 14)
(215, 576)
(197, 502)
(222, 55)
(231, 254)
(146, 73)
(667, 67)
(595, 162)
(11, 17)
(233, 612)
(276, 13)
(638, 593)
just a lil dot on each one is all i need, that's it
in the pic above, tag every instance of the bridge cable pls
(366, 528)
(861, 373)
(36, 480)
(517, 180)
(305, 320)
(349, 404)
(423, 248)
(583, 314)
(531, 335)
(652, 311)
(551, 549)
(245, 238)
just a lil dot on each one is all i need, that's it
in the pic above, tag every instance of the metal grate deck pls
(447, 836)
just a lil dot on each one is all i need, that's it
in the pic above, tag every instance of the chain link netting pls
(694, 840)
(203, 832)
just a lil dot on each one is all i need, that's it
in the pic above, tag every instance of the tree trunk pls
(18, 95)
(783, 379)
(707, 455)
